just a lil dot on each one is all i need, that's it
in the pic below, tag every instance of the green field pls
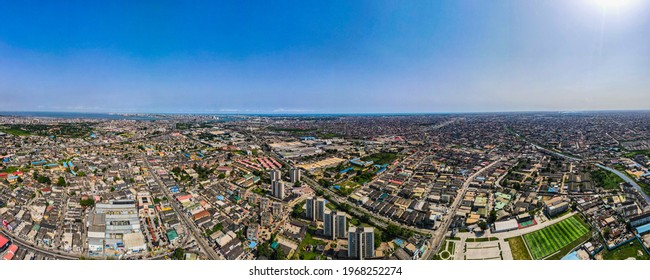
(605, 179)
(551, 239)
(630, 250)
(518, 248)
(15, 131)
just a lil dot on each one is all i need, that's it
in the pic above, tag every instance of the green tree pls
(278, 255)
(179, 254)
(43, 180)
(493, 216)
(297, 210)
(61, 182)
(87, 202)
(264, 249)
(378, 238)
(607, 231)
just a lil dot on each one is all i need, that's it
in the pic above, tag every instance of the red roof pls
(396, 182)
(9, 256)
(3, 240)
(3, 174)
(13, 248)
(17, 173)
(201, 215)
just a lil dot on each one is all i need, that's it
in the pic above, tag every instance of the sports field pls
(550, 239)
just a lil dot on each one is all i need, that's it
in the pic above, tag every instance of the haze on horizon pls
(324, 56)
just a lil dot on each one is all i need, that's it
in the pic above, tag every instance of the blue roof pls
(398, 241)
(219, 197)
(573, 256)
(337, 187)
(346, 170)
(643, 229)
(253, 244)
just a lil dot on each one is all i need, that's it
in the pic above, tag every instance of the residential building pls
(361, 243)
(294, 175)
(320, 209)
(275, 175)
(278, 189)
(329, 224)
(310, 205)
(341, 225)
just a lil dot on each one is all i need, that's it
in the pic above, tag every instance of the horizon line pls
(233, 113)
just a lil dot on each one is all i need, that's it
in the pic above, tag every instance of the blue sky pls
(324, 56)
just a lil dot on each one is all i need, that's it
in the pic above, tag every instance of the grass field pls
(605, 179)
(16, 131)
(551, 239)
(631, 250)
(518, 248)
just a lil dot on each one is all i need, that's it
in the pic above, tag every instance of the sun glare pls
(615, 4)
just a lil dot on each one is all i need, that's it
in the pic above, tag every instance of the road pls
(196, 233)
(436, 239)
(627, 179)
(49, 253)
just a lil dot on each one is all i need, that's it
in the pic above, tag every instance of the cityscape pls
(320, 139)
(493, 186)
